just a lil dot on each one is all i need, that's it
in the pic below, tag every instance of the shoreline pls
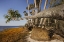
(8, 27)
(13, 35)
(19, 35)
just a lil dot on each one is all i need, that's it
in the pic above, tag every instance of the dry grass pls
(40, 34)
(12, 35)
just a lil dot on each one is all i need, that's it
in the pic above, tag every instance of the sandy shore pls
(53, 40)
(21, 35)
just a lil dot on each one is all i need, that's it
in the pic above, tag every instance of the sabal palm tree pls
(42, 21)
(53, 3)
(25, 13)
(31, 6)
(38, 6)
(59, 27)
(28, 7)
(12, 15)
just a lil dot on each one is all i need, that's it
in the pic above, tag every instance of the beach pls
(20, 34)
(13, 35)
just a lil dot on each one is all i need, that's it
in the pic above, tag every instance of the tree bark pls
(36, 20)
(44, 18)
(50, 13)
(28, 7)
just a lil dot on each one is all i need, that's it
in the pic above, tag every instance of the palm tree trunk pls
(36, 11)
(28, 12)
(28, 7)
(39, 7)
(44, 9)
(44, 18)
(45, 4)
(35, 7)
(36, 20)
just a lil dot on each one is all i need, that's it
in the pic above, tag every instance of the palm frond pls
(12, 15)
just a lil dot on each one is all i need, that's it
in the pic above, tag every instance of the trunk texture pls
(55, 12)
(43, 21)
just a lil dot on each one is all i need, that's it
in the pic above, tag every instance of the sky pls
(19, 5)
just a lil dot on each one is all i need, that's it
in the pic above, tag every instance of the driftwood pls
(54, 12)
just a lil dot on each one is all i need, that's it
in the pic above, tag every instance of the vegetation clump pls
(13, 35)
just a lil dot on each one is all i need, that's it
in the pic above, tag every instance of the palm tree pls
(54, 3)
(25, 13)
(13, 15)
(40, 5)
(28, 7)
(44, 19)
(37, 5)
(31, 6)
